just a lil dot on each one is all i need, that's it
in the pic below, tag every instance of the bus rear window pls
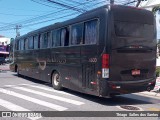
(127, 29)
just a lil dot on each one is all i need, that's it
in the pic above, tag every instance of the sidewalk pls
(154, 92)
(4, 67)
(151, 93)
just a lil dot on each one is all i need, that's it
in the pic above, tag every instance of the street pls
(26, 94)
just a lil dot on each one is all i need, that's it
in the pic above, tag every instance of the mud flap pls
(103, 88)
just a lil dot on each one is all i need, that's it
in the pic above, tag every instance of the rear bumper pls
(126, 87)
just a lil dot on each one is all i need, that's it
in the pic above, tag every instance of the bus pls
(108, 51)
(4, 49)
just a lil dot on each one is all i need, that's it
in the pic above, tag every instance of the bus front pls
(132, 51)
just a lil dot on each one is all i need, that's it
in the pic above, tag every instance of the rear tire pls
(56, 81)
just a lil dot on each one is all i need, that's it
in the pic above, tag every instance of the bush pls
(157, 71)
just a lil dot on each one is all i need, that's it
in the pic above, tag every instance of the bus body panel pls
(67, 59)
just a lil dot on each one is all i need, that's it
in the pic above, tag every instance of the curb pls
(152, 93)
(4, 70)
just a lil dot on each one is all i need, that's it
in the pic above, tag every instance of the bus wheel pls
(56, 81)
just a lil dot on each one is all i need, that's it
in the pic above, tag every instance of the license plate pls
(136, 72)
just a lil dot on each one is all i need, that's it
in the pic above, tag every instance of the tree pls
(155, 9)
(158, 48)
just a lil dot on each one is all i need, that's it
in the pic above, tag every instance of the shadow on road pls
(128, 99)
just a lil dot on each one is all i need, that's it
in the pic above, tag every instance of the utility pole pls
(111, 2)
(17, 30)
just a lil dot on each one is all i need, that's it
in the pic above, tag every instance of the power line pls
(96, 4)
(39, 17)
(44, 4)
(68, 15)
(74, 2)
(23, 9)
(67, 6)
(43, 17)
(14, 14)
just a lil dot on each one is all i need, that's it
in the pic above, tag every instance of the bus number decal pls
(93, 60)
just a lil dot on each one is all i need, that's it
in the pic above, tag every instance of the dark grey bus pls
(107, 51)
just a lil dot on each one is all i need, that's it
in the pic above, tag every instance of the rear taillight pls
(105, 66)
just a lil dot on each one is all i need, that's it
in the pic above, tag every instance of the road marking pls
(14, 107)
(50, 96)
(34, 100)
(41, 87)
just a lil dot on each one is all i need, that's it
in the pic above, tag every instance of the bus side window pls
(19, 44)
(91, 32)
(15, 47)
(53, 38)
(77, 34)
(49, 39)
(64, 37)
(41, 40)
(45, 40)
(56, 38)
(30, 42)
(22, 44)
(26, 44)
(35, 39)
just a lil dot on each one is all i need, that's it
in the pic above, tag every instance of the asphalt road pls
(26, 94)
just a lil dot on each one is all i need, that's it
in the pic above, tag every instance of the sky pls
(158, 24)
(33, 14)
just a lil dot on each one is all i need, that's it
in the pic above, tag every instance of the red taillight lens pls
(105, 61)
(105, 66)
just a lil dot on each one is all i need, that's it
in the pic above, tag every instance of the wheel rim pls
(56, 79)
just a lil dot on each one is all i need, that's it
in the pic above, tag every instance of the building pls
(4, 48)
